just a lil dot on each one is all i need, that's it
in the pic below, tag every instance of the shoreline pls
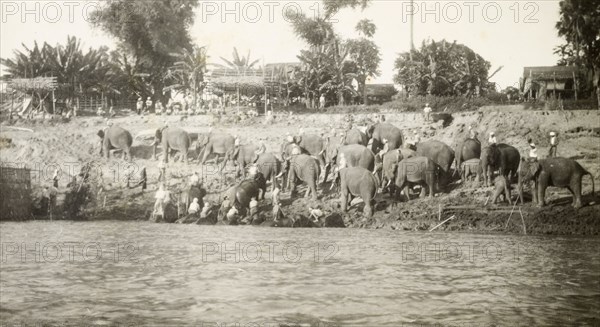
(577, 129)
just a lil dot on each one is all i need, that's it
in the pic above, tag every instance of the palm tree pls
(189, 71)
(241, 64)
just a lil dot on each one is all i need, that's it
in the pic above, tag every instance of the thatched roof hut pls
(251, 81)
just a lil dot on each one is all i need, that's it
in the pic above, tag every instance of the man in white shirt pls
(533, 150)
(427, 112)
(492, 139)
(160, 196)
(553, 144)
(194, 207)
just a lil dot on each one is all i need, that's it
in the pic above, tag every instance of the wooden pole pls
(12, 105)
(265, 85)
(554, 87)
(443, 222)
(530, 85)
(523, 221)
(53, 104)
(575, 85)
(513, 209)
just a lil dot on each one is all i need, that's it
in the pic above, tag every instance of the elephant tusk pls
(389, 182)
(280, 175)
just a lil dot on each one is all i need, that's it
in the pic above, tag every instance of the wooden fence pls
(15, 193)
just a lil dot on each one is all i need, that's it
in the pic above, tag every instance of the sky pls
(511, 34)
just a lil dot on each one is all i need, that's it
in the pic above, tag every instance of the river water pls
(139, 273)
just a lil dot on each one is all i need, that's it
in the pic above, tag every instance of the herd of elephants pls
(365, 170)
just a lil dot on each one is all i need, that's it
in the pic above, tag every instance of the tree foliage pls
(579, 25)
(442, 68)
(188, 71)
(330, 64)
(148, 32)
(240, 63)
(77, 70)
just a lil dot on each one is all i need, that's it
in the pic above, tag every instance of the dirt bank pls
(69, 144)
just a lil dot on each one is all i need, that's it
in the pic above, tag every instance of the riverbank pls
(71, 143)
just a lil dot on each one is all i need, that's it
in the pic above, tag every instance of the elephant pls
(311, 144)
(502, 157)
(358, 181)
(356, 155)
(468, 149)
(116, 137)
(172, 138)
(556, 171)
(417, 170)
(381, 131)
(306, 169)
(389, 166)
(248, 189)
(441, 154)
(214, 143)
(242, 156)
(270, 167)
(471, 167)
(188, 195)
(355, 136)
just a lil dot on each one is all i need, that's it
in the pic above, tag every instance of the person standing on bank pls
(553, 145)
(533, 151)
(149, 104)
(139, 105)
(427, 112)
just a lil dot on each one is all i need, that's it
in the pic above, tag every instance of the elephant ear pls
(101, 134)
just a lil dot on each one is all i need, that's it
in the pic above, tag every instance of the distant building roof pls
(550, 72)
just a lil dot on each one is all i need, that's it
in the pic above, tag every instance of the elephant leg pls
(166, 155)
(534, 191)
(575, 188)
(496, 194)
(315, 196)
(106, 150)
(312, 189)
(422, 193)
(344, 199)
(205, 157)
(507, 193)
(185, 157)
(368, 210)
(541, 188)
